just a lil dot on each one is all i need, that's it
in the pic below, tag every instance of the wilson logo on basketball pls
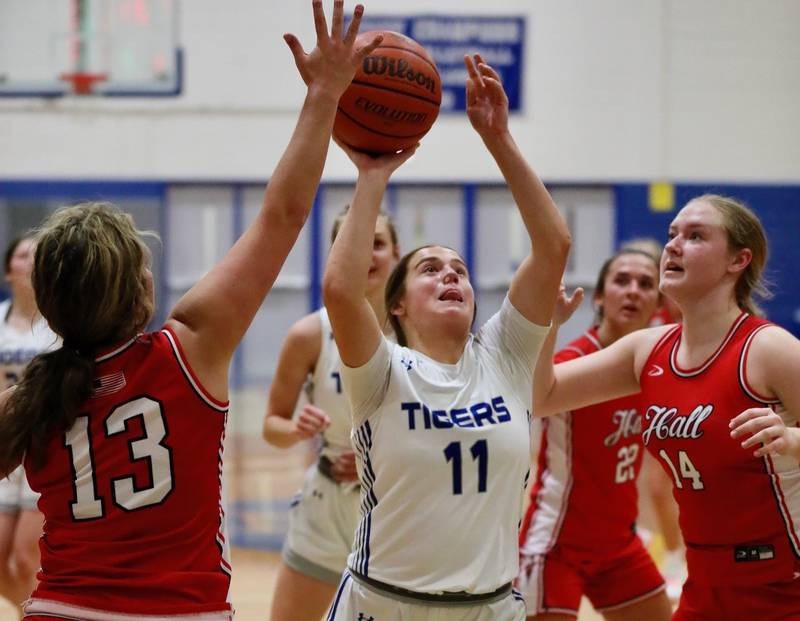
(394, 97)
(397, 68)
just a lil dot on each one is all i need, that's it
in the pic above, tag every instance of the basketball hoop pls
(83, 83)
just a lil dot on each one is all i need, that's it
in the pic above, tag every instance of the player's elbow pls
(552, 252)
(266, 431)
(541, 404)
(271, 432)
(337, 289)
(560, 244)
(287, 212)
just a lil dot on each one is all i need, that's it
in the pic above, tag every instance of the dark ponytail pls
(52, 387)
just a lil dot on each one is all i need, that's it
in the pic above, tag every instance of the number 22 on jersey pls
(150, 446)
(626, 465)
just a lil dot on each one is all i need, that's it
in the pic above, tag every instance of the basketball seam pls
(410, 51)
(391, 90)
(375, 131)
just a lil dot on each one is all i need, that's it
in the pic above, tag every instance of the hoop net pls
(83, 83)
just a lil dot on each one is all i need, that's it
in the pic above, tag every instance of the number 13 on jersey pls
(150, 446)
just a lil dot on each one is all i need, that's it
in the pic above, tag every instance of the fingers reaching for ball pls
(330, 66)
(487, 102)
(384, 164)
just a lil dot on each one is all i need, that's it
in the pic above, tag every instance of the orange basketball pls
(394, 97)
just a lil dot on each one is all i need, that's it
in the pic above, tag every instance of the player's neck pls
(437, 345)
(23, 309)
(704, 326)
(608, 332)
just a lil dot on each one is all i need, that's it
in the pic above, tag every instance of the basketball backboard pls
(125, 47)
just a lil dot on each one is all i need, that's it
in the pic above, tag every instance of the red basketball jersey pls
(131, 494)
(585, 491)
(739, 515)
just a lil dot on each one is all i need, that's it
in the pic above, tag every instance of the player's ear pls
(740, 260)
(399, 309)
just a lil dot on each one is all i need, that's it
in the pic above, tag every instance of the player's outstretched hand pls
(384, 165)
(331, 65)
(566, 305)
(765, 429)
(487, 102)
(310, 422)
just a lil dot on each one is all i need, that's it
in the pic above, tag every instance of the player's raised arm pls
(535, 285)
(344, 287)
(213, 315)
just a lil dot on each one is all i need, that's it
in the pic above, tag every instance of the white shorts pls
(356, 601)
(16, 494)
(322, 523)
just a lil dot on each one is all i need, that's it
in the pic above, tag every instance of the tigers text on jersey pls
(585, 491)
(740, 515)
(131, 493)
(18, 348)
(325, 392)
(443, 455)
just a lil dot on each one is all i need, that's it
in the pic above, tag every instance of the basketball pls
(394, 97)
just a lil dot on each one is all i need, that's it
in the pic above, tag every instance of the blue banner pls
(500, 40)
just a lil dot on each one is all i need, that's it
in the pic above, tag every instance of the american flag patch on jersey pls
(108, 384)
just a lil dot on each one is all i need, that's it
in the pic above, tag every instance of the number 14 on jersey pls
(686, 470)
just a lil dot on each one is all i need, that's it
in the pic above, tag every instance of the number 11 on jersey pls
(480, 453)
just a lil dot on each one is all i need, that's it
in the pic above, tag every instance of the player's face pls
(696, 257)
(384, 256)
(438, 287)
(631, 292)
(20, 267)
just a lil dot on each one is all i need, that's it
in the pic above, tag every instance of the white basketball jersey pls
(443, 453)
(17, 348)
(325, 392)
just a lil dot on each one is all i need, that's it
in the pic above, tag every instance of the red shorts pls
(779, 601)
(554, 583)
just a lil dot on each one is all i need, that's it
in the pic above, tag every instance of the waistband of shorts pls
(46, 607)
(449, 598)
(741, 565)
